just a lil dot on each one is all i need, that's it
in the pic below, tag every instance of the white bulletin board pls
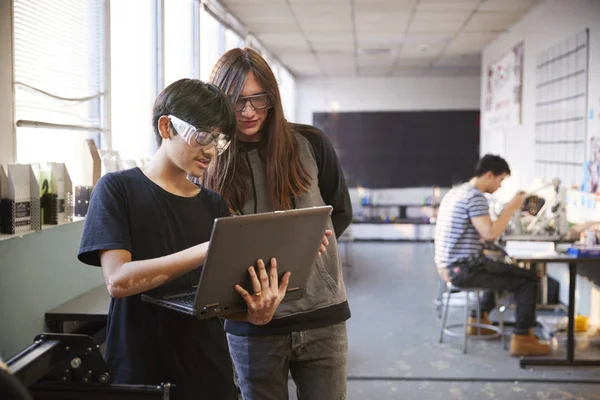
(561, 110)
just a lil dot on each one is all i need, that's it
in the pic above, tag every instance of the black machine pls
(70, 367)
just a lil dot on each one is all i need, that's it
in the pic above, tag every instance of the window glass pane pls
(133, 76)
(41, 145)
(287, 87)
(211, 43)
(232, 40)
(180, 40)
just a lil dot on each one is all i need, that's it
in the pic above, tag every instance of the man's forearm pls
(135, 277)
(499, 226)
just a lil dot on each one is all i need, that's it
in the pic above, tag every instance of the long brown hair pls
(229, 174)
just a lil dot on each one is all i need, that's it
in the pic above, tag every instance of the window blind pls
(58, 63)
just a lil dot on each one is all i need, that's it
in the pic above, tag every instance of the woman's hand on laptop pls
(325, 242)
(268, 293)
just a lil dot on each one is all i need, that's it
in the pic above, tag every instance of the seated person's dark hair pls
(200, 104)
(491, 163)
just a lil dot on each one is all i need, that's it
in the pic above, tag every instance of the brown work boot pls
(528, 345)
(473, 331)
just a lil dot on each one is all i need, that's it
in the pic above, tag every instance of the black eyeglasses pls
(257, 102)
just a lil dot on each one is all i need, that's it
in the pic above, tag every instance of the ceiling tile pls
(381, 22)
(469, 43)
(375, 71)
(248, 15)
(305, 71)
(254, 3)
(333, 47)
(317, 1)
(281, 38)
(379, 39)
(491, 21)
(384, 6)
(331, 59)
(413, 62)
(381, 17)
(477, 38)
(310, 10)
(297, 58)
(374, 28)
(333, 71)
(428, 38)
(365, 60)
(438, 16)
(448, 6)
(438, 27)
(459, 61)
(421, 50)
(507, 5)
(337, 37)
(415, 72)
(272, 27)
(324, 23)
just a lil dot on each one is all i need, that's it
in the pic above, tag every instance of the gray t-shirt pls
(455, 235)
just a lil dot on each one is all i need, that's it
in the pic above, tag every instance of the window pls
(59, 79)
(212, 43)
(181, 40)
(287, 87)
(232, 40)
(134, 76)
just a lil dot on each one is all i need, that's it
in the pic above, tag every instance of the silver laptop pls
(293, 237)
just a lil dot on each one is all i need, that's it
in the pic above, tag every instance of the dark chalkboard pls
(404, 149)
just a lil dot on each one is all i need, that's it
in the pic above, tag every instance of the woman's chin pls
(249, 135)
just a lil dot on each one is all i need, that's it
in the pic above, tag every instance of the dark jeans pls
(316, 358)
(494, 275)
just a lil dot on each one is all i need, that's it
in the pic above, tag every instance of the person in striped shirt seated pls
(463, 225)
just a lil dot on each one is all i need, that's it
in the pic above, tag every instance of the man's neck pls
(479, 184)
(168, 176)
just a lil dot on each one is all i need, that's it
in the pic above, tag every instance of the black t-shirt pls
(148, 344)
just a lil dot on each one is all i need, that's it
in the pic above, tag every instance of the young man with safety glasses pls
(148, 229)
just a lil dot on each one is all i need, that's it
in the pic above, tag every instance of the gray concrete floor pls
(394, 349)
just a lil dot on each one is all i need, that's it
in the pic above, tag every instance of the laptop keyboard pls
(185, 299)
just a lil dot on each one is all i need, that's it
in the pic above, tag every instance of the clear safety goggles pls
(200, 136)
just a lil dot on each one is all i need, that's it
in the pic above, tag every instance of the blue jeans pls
(316, 358)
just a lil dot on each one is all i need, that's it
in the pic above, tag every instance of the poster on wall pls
(592, 171)
(503, 91)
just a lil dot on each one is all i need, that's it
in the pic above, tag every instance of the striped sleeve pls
(477, 206)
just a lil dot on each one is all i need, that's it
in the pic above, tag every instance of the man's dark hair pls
(198, 103)
(491, 163)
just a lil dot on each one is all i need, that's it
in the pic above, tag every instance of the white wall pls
(549, 22)
(545, 25)
(7, 130)
(385, 94)
(39, 271)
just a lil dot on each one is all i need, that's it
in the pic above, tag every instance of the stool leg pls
(501, 310)
(467, 312)
(448, 293)
(478, 311)
(440, 299)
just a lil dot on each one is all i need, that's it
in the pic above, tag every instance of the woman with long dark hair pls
(277, 165)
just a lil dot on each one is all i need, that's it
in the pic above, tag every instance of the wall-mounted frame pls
(561, 99)
(503, 91)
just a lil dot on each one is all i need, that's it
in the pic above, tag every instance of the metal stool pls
(439, 300)
(446, 329)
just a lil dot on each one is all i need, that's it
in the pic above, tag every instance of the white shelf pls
(4, 236)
